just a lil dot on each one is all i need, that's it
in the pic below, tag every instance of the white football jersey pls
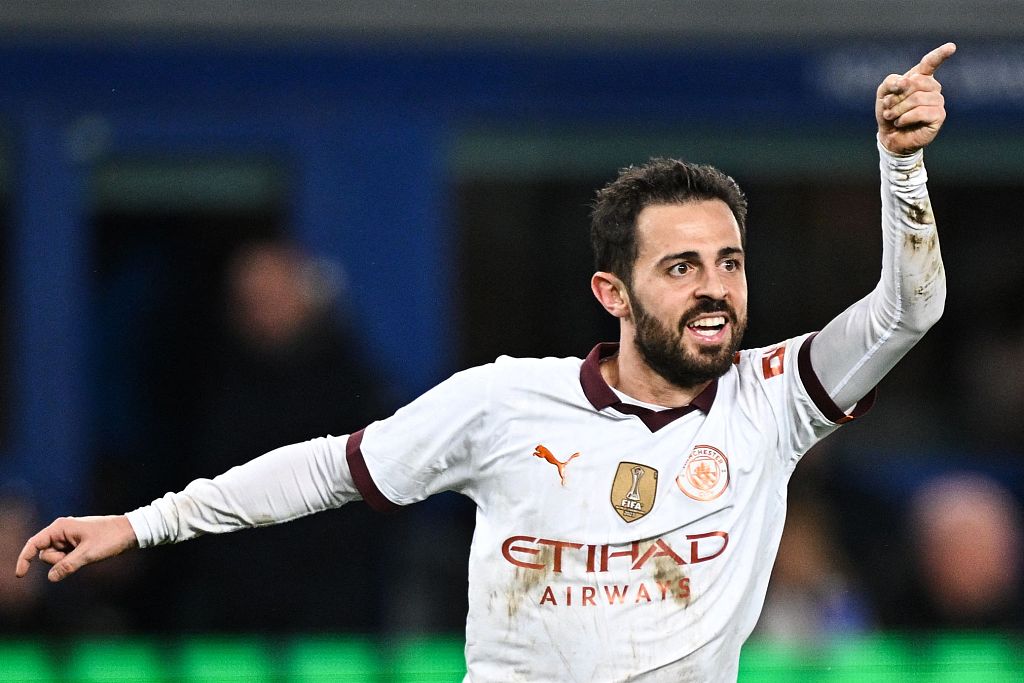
(612, 542)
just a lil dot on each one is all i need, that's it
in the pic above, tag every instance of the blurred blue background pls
(423, 171)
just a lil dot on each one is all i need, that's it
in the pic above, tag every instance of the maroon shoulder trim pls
(818, 394)
(361, 475)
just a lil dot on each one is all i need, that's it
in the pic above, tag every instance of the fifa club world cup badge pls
(705, 475)
(633, 490)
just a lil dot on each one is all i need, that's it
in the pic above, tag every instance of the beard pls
(664, 351)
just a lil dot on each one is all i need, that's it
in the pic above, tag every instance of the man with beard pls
(629, 504)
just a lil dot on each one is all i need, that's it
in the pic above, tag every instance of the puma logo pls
(542, 452)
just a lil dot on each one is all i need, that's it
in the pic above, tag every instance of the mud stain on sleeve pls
(925, 249)
(921, 213)
(926, 290)
(918, 165)
(926, 242)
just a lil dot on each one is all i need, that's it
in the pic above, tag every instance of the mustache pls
(705, 306)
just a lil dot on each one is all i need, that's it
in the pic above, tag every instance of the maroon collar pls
(601, 395)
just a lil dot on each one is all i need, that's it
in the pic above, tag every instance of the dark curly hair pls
(659, 181)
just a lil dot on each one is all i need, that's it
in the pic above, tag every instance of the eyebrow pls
(694, 256)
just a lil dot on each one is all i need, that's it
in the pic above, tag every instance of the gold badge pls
(633, 490)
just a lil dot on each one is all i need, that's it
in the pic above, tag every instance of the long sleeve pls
(854, 351)
(284, 484)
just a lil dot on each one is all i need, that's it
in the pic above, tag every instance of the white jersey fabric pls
(587, 574)
(613, 542)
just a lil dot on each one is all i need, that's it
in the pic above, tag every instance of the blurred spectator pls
(287, 370)
(966, 532)
(811, 596)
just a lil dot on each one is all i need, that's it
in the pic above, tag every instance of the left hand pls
(70, 543)
(910, 108)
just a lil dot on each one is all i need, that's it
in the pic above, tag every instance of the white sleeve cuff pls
(144, 521)
(902, 170)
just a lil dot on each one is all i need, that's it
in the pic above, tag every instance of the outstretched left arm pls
(854, 351)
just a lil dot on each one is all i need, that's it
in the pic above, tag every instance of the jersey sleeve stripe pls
(820, 396)
(361, 475)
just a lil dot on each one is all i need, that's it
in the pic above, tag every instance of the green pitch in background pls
(944, 658)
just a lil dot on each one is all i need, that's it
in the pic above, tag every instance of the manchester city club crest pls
(705, 475)
(633, 490)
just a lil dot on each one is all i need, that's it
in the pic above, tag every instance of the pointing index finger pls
(47, 538)
(28, 553)
(933, 60)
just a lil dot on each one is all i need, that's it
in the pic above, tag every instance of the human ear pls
(611, 292)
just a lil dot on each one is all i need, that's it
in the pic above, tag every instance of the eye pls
(731, 264)
(679, 269)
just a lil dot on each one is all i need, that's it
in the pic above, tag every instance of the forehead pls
(705, 225)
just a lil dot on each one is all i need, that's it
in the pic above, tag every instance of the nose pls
(711, 285)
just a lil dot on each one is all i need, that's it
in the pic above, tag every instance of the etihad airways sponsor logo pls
(529, 552)
(628, 594)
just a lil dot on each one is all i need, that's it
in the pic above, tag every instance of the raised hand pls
(70, 543)
(910, 108)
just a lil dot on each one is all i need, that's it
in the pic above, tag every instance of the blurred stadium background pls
(228, 226)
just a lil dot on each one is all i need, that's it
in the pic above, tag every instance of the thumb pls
(71, 563)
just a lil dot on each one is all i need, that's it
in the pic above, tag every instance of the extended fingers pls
(51, 538)
(933, 60)
(35, 545)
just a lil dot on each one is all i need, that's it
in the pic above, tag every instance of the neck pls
(630, 374)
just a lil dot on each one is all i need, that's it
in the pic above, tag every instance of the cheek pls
(662, 300)
(739, 293)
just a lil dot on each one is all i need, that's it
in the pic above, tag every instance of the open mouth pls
(710, 328)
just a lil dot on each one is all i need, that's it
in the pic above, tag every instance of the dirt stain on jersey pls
(527, 580)
(907, 175)
(916, 242)
(921, 213)
(668, 573)
(925, 248)
(926, 290)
